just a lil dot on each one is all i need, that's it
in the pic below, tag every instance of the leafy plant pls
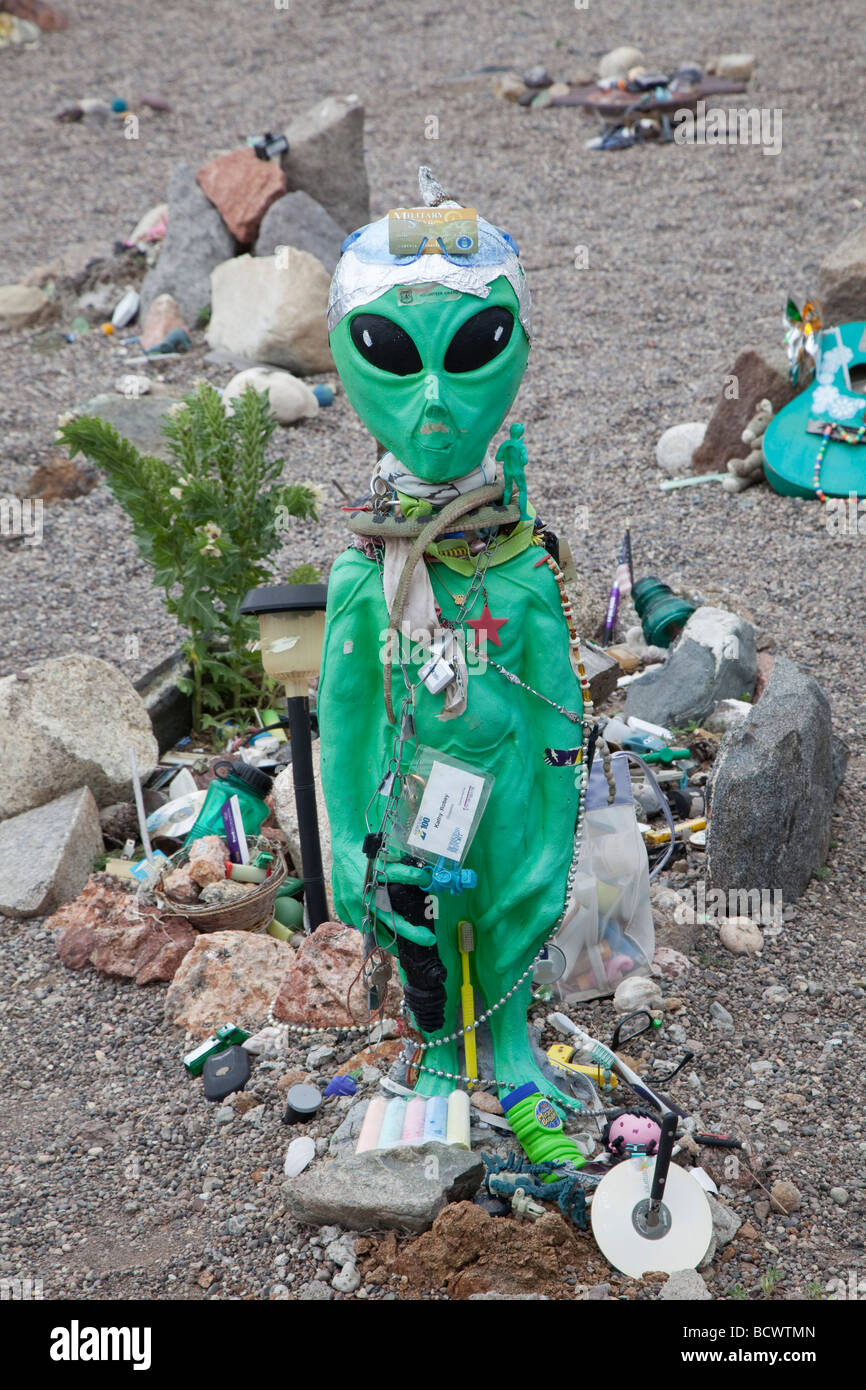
(207, 521)
(737, 1291)
(770, 1279)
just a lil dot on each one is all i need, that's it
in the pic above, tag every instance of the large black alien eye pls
(479, 340)
(385, 344)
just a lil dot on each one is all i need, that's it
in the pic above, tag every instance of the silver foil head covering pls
(367, 269)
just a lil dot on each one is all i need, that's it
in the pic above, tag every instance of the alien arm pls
(356, 737)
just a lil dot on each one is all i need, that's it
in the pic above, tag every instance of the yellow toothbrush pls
(466, 943)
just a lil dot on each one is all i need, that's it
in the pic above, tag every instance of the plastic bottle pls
(249, 784)
(539, 1128)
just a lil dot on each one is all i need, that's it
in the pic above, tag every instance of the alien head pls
(431, 349)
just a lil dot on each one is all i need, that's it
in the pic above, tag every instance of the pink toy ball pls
(631, 1129)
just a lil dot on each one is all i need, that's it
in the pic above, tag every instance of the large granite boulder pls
(70, 722)
(772, 790)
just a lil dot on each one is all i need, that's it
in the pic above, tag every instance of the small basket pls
(252, 912)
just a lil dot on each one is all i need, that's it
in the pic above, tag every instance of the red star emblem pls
(488, 625)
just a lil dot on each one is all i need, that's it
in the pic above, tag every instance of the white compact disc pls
(687, 1224)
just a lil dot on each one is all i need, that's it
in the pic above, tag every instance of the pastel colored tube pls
(372, 1125)
(458, 1119)
(413, 1122)
(436, 1119)
(392, 1125)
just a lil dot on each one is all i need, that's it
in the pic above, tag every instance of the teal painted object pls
(790, 451)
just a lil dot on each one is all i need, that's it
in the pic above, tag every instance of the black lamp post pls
(292, 626)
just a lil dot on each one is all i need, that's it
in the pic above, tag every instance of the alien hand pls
(409, 903)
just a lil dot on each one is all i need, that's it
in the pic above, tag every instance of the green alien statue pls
(431, 349)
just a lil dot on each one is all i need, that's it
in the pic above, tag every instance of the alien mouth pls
(435, 427)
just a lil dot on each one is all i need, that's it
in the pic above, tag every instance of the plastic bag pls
(607, 932)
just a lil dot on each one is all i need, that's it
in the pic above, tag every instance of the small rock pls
(677, 445)
(385, 1188)
(597, 1293)
(785, 1197)
(206, 863)
(721, 1015)
(225, 1115)
(318, 1056)
(227, 975)
(773, 788)
(714, 657)
(242, 187)
(636, 992)
(163, 317)
(487, 1102)
(839, 1195)
(537, 77)
(509, 86)
(196, 241)
(741, 936)
(672, 964)
(290, 399)
(348, 1279)
(316, 1291)
(22, 306)
(682, 1285)
(737, 67)
(180, 887)
(617, 61)
(227, 891)
(726, 1223)
(133, 384)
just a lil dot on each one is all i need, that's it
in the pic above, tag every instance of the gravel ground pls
(691, 253)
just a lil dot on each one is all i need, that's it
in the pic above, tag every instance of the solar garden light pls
(292, 626)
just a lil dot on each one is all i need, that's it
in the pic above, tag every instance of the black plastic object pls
(226, 1072)
(302, 1102)
(285, 598)
(259, 782)
(315, 898)
(424, 990)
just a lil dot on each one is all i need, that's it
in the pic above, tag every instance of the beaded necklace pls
(843, 436)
